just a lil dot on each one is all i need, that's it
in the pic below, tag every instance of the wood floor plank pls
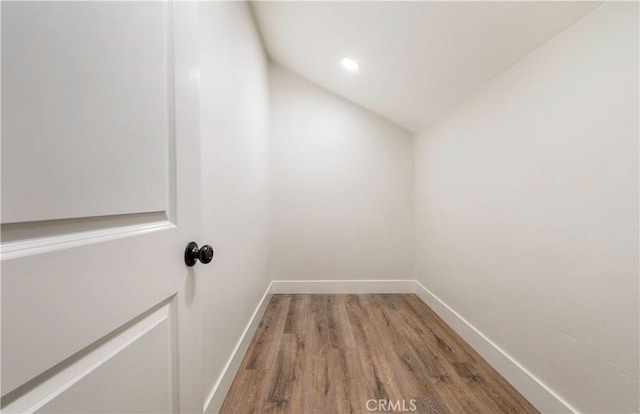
(316, 357)
(366, 378)
(264, 347)
(248, 391)
(338, 384)
(285, 390)
(345, 353)
(340, 332)
(298, 314)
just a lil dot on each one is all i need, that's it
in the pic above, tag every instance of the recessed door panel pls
(85, 109)
(131, 370)
(55, 304)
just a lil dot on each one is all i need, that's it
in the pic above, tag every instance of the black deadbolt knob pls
(192, 254)
(206, 254)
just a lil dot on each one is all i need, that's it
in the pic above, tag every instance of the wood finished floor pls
(333, 353)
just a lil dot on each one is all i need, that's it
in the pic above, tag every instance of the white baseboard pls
(534, 390)
(342, 286)
(221, 388)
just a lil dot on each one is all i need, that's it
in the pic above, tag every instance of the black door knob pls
(192, 254)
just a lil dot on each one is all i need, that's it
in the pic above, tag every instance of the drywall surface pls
(342, 187)
(527, 211)
(235, 177)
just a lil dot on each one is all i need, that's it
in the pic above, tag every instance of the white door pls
(100, 195)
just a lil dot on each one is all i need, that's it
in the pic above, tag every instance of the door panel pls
(49, 315)
(143, 351)
(89, 85)
(100, 195)
(146, 387)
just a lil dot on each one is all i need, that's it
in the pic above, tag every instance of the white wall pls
(342, 187)
(527, 211)
(235, 176)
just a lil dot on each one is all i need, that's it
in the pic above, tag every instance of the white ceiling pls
(416, 58)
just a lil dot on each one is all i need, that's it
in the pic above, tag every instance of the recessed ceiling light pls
(350, 65)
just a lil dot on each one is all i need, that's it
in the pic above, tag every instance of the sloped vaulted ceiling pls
(416, 59)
